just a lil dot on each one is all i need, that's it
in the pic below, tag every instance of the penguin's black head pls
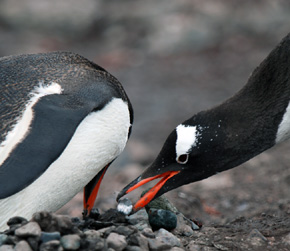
(191, 152)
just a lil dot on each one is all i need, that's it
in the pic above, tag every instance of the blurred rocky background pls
(174, 58)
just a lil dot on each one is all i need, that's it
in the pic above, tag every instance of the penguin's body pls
(63, 119)
(212, 141)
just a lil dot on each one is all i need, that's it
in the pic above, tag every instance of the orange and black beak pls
(153, 193)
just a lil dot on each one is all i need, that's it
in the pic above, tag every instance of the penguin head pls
(189, 154)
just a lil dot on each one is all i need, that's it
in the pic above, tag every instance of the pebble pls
(6, 248)
(45, 237)
(31, 229)
(116, 241)
(168, 237)
(139, 240)
(3, 238)
(51, 246)
(140, 215)
(148, 232)
(156, 245)
(22, 246)
(159, 218)
(71, 241)
(125, 206)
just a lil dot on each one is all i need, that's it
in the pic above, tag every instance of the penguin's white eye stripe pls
(186, 139)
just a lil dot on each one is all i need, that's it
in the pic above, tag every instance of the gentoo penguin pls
(64, 120)
(212, 141)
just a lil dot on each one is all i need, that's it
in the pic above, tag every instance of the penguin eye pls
(182, 159)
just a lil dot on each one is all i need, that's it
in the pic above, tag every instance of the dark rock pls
(71, 241)
(45, 236)
(160, 203)
(94, 214)
(12, 240)
(22, 246)
(16, 220)
(31, 229)
(256, 238)
(116, 241)
(51, 246)
(33, 242)
(138, 240)
(112, 215)
(54, 223)
(159, 218)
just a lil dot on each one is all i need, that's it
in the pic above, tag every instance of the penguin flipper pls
(55, 119)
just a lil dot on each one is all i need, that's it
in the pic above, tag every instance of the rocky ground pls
(174, 59)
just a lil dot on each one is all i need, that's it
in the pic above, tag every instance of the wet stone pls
(45, 237)
(71, 242)
(22, 246)
(159, 218)
(125, 206)
(31, 229)
(116, 241)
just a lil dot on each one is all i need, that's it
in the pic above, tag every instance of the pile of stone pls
(150, 229)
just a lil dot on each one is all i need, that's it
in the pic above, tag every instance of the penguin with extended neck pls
(64, 120)
(212, 141)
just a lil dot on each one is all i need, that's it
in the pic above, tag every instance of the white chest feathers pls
(98, 140)
(283, 132)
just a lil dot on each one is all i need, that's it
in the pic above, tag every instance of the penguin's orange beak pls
(151, 194)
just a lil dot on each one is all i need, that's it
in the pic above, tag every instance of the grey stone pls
(31, 229)
(140, 215)
(286, 239)
(96, 244)
(71, 241)
(167, 237)
(183, 226)
(159, 218)
(147, 232)
(176, 249)
(51, 246)
(157, 244)
(124, 230)
(22, 246)
(138, 240)
(116, 241)
(133, 248)
(3, 238)
(142, 225)
(256, 238)
(6, 248)
(92, 234)
(160, 203)
(45, 237)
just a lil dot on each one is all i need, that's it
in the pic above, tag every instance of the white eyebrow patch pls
(186, 139)
(22, 125)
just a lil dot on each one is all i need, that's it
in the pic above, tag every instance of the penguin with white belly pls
(63, 120)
